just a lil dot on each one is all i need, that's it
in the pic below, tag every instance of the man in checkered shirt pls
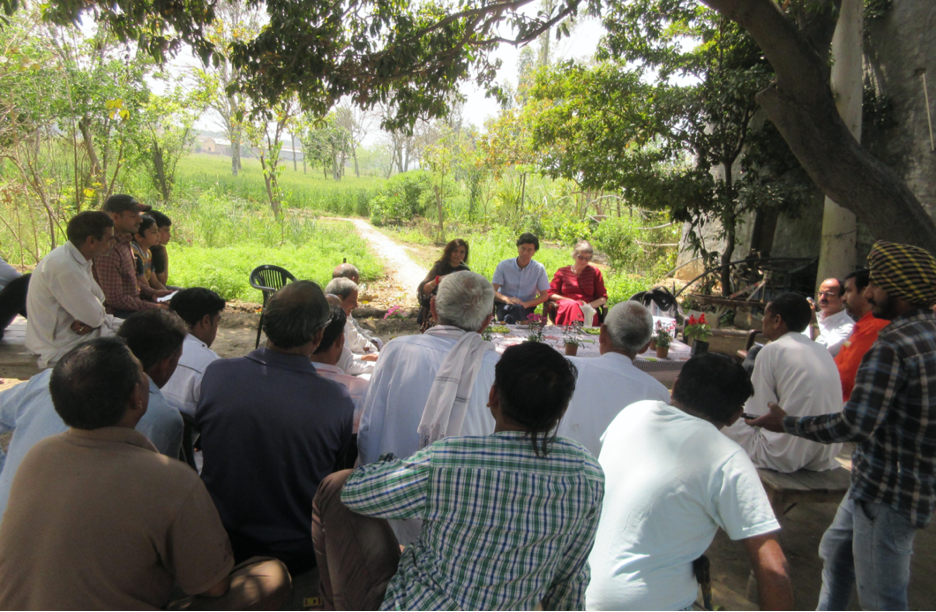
(115, 271)
(892, 417)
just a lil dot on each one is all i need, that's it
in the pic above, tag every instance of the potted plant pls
(571, 338)
(663, 341)
(699, 332)
(536, 322)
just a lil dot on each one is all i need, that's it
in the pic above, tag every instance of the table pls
(664, 370)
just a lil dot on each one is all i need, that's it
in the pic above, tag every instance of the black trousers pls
(13, 300)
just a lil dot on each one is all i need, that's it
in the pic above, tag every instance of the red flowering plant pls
(698, 329)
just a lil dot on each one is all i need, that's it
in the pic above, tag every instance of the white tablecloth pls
(647, 361)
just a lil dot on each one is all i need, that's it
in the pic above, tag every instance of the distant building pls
(218, 146)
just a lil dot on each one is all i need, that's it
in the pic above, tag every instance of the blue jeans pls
(518, 312)
(873, 544)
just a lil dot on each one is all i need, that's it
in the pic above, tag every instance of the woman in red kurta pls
(577, 284)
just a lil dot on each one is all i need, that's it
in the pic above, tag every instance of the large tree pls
(414, 54)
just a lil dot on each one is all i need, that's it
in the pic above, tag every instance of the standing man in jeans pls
(892, 416)
(115, 271)
(520, 284)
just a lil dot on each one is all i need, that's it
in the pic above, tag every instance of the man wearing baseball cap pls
(892, 416)
(115, 271)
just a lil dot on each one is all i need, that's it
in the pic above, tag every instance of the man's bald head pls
(295, 314)
(348, 271)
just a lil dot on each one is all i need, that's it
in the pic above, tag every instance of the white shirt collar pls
(327, 367)
(624, 359)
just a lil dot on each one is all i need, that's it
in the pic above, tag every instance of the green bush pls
(402, 198)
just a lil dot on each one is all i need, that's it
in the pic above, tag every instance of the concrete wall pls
(899, 48)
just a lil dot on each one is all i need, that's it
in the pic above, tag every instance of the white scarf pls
(447, 404)
(589, 313)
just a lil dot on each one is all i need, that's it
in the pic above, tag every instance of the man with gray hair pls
(271, 429)
(426, 387)
(347, 291)
(610, 383)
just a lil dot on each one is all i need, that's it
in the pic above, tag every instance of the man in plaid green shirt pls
(509, 519)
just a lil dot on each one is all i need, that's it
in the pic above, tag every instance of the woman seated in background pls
(147, 236)
(454, 259)
(576, 285)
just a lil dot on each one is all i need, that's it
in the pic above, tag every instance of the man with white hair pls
(430, 386)
(347, 290)
(610, 383)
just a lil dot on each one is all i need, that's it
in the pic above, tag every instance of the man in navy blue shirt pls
(272, 429)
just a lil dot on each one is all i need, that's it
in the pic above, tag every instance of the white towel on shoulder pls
(444, 413)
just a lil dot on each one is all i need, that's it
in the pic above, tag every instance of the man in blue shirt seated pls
(272, 428)
(520, 283)
(155, 338)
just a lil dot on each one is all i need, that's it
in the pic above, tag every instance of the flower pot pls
(652, 344)
(571, 349)
(699, 347)
(662, 351)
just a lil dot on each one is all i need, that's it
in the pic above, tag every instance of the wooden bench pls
(804, 487)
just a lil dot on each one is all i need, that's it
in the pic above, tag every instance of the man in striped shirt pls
(508, 519)
(892, 416)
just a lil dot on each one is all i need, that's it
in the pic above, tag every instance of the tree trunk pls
(729, 222)
(357, 172)
(160, 167)
(801, 105)
(235, 152)
(88, 141)
(522, 191)
(837, 254)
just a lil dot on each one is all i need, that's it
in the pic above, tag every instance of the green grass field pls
(310, 190)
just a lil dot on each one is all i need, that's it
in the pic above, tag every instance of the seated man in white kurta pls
(791, 371)
(610, 383)
(405, 384)
(834, 323)
(65, 304)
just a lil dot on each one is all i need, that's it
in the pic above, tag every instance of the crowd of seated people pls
(510, 481)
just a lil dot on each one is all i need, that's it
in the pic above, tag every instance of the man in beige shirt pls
(98, 519)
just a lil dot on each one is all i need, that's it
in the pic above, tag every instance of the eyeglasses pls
(828, 294)
(583, 257)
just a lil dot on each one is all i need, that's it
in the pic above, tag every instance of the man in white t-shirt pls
(671, 481)
(201, 310)
(607, 384)
(326, 356)
(796, 372)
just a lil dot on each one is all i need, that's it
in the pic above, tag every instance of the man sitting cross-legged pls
(608, 384)
(200, 308)
(99, 521)
(65, 304)
(326, 357)
(798, 373)
(155, 338)
(509, 516)
(271, 429)
(672, 480)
